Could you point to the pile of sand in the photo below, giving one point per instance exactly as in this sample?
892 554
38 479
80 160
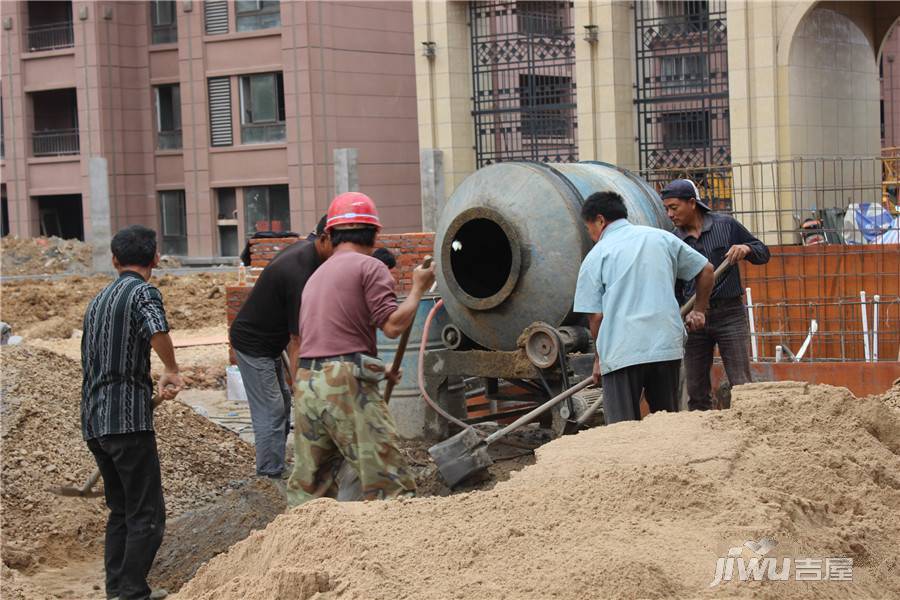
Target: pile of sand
25 256
42 448
632 510
54 308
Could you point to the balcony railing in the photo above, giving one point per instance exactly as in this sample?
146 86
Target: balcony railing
260 133
55 142
164 34
51 36
168 140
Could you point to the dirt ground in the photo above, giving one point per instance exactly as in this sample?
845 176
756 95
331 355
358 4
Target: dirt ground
43 449
641 509
26 256
53 309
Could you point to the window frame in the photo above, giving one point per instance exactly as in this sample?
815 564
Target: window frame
169 27
175 108
263 8
167 236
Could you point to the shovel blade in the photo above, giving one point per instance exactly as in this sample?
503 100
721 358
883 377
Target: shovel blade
460 456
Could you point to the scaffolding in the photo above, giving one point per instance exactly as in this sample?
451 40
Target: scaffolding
833 230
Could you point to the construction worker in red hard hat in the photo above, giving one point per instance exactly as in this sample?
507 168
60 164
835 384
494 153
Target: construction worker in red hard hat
338 411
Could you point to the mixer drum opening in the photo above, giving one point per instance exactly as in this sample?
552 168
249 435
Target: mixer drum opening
481 258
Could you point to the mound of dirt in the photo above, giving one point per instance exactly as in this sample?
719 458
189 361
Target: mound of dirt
639 509
44 255
192 301
42 449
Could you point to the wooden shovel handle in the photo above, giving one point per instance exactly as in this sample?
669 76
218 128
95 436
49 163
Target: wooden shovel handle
401 350
689 305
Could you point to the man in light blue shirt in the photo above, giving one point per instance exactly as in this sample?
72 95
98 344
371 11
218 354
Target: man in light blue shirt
627 286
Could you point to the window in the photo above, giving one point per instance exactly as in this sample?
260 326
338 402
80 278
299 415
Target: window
257 14
541 18
227 222
678 72
267 209
692 13
262 108
546 103
173 222
163 23
168 117
685 129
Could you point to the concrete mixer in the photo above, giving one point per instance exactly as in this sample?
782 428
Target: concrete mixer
509 245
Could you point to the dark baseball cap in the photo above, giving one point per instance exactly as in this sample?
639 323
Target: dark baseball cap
683 189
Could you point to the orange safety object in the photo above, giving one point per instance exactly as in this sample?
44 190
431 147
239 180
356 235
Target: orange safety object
352 210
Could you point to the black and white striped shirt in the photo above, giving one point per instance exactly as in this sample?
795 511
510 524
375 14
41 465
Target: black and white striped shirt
117 391
718 234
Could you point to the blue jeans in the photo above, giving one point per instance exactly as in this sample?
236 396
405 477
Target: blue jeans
270 409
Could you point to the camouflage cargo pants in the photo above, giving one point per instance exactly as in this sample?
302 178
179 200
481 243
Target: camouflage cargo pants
338 417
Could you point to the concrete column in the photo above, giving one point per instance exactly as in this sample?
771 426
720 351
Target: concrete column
444 86
101 228
604 71
346 172
431 175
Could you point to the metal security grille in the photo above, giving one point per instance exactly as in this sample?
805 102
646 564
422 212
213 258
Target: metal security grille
682 85
523 73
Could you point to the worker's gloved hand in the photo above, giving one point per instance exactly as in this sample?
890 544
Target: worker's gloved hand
422 277
695 320
393 377
169 385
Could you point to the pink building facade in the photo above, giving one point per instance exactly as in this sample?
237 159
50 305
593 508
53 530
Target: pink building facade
217 119
890 90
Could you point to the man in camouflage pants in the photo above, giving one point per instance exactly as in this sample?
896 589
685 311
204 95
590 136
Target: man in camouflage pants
339 413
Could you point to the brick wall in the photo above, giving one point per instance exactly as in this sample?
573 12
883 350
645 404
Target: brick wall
409 249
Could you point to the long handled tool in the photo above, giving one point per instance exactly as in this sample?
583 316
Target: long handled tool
466 453
401 350
85 491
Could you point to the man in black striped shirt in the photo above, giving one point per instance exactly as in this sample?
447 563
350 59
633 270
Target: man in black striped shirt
121 324
717 237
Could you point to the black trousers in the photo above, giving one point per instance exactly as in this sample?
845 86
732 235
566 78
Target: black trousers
728 328
129 464
622 390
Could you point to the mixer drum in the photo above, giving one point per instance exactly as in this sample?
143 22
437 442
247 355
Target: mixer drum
510 242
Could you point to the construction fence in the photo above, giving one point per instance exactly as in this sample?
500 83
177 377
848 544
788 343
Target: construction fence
833 228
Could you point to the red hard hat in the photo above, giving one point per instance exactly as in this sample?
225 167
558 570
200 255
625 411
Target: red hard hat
352 210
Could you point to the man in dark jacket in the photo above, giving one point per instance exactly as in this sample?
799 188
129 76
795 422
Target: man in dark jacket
717 237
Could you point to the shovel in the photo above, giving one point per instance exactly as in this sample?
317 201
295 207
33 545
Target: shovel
466 453
85 491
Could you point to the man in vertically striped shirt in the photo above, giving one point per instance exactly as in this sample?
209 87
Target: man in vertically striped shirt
121 324
717 237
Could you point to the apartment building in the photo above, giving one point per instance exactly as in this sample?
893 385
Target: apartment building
217 119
